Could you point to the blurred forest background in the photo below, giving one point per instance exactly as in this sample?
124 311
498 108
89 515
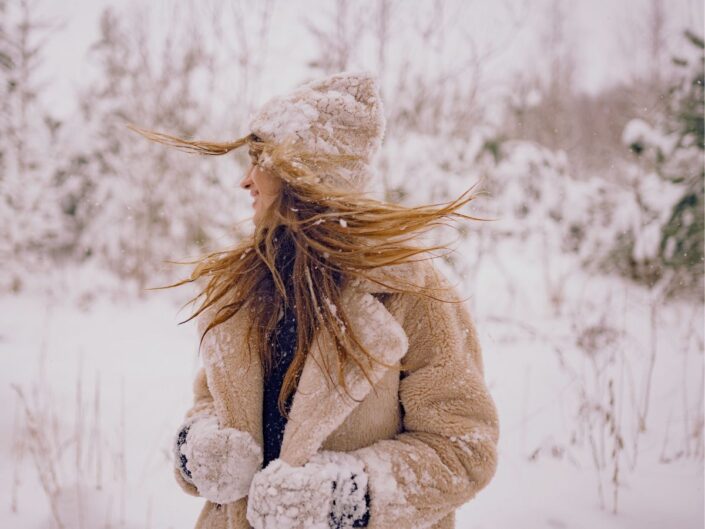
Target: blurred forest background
588 288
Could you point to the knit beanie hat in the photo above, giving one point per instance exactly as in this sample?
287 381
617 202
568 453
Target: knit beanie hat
338 114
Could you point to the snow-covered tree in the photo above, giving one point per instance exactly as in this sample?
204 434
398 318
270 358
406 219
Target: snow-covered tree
137 203
31 231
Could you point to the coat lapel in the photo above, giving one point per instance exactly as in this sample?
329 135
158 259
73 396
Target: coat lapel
319 405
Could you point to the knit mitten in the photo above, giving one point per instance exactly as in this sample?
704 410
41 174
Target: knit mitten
179 458
328 492
220 462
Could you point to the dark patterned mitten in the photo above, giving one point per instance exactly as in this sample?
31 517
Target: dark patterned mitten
219 462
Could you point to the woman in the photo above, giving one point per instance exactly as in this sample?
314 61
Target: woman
342 381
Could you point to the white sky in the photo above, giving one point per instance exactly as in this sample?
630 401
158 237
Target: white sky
606 33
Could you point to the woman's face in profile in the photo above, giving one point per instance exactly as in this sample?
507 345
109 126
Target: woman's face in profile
263 187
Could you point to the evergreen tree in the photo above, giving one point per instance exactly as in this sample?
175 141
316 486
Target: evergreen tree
682 240
673 149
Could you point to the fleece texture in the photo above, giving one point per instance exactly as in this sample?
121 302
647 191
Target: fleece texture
426 434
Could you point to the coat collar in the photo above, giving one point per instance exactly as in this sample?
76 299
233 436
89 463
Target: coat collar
319 405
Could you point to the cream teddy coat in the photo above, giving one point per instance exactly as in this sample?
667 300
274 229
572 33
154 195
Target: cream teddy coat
427 435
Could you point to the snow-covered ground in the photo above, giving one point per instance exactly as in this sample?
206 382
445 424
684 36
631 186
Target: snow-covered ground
115 375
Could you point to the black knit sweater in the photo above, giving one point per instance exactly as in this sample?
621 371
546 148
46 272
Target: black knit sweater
273 422
283 342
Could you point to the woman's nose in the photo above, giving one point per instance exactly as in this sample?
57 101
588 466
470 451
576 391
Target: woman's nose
246 181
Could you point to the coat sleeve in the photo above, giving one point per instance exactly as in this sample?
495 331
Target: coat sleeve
202 405
447 450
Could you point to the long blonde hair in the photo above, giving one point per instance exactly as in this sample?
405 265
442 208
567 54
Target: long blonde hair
335 235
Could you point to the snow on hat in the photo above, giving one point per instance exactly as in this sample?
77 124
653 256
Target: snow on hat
340 114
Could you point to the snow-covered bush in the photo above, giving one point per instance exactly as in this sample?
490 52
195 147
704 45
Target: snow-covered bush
608 225
137 203
671 150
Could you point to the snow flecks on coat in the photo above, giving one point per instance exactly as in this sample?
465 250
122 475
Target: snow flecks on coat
427 436
469 441
321 403
427 471
226 368
380 325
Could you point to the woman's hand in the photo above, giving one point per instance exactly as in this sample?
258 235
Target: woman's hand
328 492
220 462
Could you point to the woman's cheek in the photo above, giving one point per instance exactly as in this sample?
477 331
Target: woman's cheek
267 184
